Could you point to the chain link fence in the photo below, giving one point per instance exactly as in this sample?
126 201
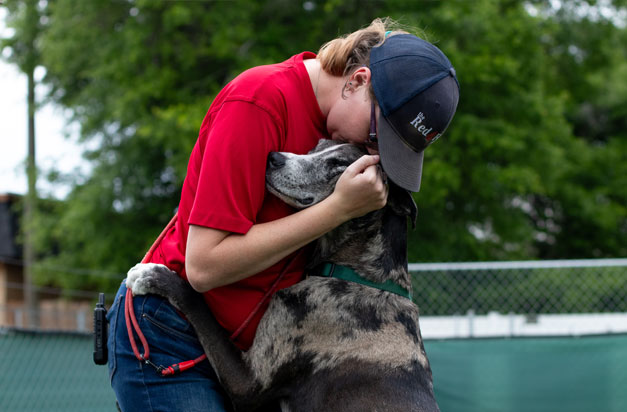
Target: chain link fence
530 298
561 286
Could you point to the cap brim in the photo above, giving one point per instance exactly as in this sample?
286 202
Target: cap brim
402 164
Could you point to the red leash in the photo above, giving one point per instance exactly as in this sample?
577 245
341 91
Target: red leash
132 324
267 295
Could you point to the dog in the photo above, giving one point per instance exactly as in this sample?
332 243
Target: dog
324 344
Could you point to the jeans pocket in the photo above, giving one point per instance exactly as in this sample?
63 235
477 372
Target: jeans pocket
166 319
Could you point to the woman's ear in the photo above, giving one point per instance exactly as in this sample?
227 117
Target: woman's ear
360 77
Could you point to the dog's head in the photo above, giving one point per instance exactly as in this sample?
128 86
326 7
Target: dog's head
304 180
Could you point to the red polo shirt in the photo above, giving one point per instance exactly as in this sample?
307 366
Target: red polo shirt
265 109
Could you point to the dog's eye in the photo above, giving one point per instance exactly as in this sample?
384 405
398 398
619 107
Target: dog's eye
336 163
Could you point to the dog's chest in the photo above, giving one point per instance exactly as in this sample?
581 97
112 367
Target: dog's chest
322 321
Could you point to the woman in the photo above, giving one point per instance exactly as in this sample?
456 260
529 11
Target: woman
236 243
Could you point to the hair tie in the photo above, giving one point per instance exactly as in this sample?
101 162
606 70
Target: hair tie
387 33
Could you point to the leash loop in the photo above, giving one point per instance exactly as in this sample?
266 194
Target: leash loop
133 325
131 322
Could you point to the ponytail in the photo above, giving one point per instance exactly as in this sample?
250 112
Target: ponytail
342 56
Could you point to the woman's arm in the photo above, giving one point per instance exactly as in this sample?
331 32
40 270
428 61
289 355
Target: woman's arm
216 258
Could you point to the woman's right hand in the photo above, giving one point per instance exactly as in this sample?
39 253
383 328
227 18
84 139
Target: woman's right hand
360 189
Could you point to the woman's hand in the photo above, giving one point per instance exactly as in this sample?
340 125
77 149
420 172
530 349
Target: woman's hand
360 189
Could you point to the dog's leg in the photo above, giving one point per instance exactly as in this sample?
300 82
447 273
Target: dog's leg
225 358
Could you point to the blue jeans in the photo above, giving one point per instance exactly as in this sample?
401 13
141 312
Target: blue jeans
138 386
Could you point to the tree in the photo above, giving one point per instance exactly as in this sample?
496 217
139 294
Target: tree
520 174
589 206
526 169
25 20
139 77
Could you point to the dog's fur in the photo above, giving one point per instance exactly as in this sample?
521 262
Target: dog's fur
324 344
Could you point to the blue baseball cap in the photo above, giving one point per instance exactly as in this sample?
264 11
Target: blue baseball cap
417 90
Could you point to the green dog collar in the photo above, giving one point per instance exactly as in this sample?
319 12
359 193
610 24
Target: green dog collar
332 270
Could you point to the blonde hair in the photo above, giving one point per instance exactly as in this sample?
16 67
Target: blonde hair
342 56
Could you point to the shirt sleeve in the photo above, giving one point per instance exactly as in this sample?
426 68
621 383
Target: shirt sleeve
231 182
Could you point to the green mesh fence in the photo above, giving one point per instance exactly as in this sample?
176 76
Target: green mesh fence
586 374
51 372
54 372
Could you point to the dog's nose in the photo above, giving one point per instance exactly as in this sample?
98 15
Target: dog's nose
276 160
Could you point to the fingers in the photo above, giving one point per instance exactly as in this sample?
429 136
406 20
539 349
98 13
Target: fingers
361 164
373 177
366 169
361 188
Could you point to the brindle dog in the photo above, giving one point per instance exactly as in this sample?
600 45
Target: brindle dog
324 344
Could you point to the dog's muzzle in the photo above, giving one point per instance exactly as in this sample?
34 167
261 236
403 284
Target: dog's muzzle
276 160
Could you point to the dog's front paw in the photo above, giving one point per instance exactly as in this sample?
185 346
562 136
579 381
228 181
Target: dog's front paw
141 279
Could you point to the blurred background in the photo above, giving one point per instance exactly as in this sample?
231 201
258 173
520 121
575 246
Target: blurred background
519 252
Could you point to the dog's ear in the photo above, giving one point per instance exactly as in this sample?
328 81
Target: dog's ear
323 144
402 203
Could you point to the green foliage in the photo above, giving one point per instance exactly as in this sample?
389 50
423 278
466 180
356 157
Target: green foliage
533 159
532 166
25 18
